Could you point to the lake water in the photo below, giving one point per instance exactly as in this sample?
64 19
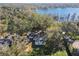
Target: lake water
64 14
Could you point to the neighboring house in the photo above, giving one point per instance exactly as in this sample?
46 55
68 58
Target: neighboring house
74 44
37 38
5 41
68 39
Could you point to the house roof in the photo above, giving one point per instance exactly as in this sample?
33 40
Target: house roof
76 44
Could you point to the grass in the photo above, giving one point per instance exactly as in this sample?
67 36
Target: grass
60 53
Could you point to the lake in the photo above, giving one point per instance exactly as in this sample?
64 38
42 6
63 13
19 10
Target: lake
63 14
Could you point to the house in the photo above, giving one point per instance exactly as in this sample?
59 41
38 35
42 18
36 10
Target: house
5 41
37 38
75 45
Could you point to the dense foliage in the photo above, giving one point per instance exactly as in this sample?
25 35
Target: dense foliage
18 22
